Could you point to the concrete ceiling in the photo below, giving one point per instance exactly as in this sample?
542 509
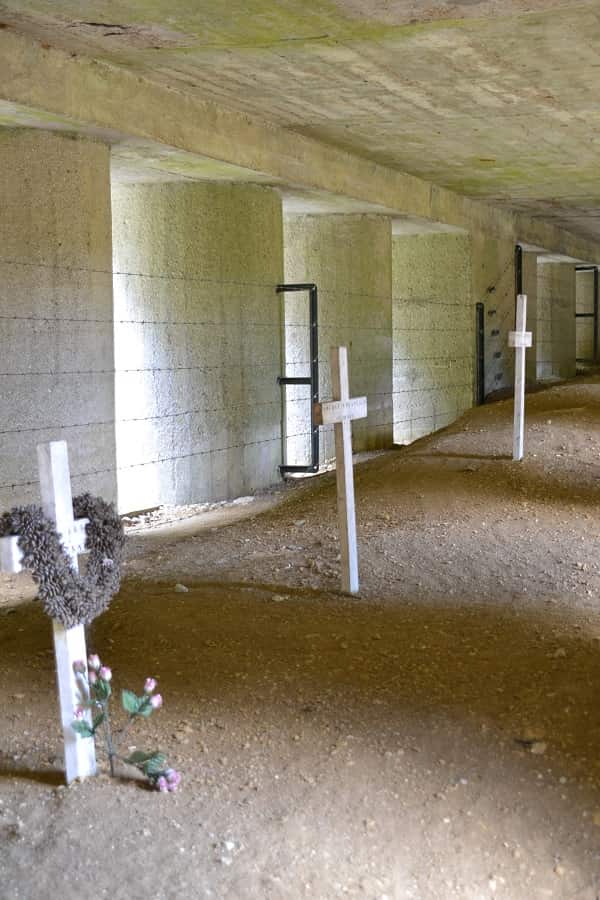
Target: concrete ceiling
498 99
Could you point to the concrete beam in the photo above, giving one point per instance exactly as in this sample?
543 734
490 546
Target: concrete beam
87 93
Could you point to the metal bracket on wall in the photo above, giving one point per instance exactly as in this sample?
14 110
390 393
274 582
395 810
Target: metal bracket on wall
480 333
312 380
518 271
591 315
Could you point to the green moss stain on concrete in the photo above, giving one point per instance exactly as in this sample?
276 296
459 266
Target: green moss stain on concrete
14 116
183 28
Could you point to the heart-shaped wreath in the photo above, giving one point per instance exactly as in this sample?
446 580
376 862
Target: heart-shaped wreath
71 598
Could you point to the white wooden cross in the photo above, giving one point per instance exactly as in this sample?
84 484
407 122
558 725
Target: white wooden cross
69 643
520 339
340 412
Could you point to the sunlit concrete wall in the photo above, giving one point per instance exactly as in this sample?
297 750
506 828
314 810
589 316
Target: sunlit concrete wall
56 333
349 258
433 330
556 339
198 340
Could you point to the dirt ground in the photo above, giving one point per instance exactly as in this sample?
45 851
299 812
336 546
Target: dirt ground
436 737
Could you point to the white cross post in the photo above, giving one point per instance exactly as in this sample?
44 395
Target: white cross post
340 412
69 643
520 339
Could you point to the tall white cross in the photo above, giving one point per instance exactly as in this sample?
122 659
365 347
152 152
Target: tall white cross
520 339
340 412
69 643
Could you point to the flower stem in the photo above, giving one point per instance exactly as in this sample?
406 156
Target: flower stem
109 741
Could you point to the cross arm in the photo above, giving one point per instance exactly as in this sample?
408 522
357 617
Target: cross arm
520 339
330 412
11 554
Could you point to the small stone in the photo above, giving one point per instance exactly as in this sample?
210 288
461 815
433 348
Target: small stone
181 589
559 870
538 748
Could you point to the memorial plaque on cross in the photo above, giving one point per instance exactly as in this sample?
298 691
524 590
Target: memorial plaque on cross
69 643
520 339
340 412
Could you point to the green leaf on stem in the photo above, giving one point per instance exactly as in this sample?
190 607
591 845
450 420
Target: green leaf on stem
146 709
102 689
155 764
138 757
98 720
131 703
82 728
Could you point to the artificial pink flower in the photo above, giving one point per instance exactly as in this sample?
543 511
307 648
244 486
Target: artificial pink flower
149 685
79 712
156 701
79 667
162 785
105 673
92 677
94 661
173 779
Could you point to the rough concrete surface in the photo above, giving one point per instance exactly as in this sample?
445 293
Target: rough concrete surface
197 341
494 100
493 284
79 93
56 333
433 332
556 336
435 738
349 258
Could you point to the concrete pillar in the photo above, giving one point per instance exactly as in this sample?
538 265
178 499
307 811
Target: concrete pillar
198 341
529 278
493 284
434 332
56 328
555 347
349 258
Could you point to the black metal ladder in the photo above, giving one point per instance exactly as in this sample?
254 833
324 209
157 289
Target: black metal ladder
312 379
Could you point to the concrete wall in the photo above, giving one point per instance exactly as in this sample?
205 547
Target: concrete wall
493 284
433 330
555 348
349 258
584 328
529 278
56 335
197 341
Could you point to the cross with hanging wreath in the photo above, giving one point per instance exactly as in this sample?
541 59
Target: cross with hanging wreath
47 541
